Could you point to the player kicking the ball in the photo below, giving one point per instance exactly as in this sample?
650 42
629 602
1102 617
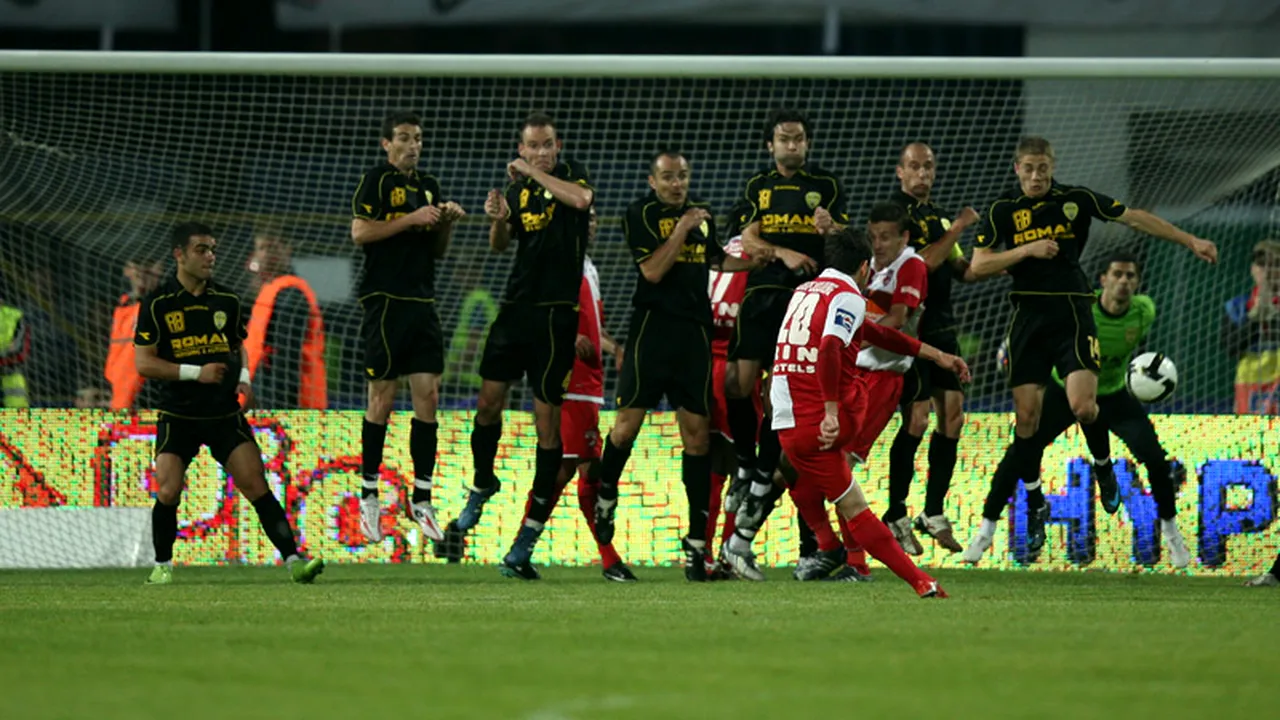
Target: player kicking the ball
819 397
190 336
1123 320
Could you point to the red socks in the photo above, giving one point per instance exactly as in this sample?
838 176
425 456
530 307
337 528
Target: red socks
813 511
713 508
870 533
587 492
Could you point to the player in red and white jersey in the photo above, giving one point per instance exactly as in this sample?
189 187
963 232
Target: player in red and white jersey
580 411
820 398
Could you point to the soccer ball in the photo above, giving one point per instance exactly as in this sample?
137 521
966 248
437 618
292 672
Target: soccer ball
1152 377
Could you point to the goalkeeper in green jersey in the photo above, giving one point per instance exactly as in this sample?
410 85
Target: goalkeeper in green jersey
1123 319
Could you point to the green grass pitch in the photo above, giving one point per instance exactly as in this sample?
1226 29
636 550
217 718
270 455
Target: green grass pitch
461 642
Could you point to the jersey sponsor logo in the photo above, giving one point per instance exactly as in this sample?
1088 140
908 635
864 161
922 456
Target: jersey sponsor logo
176 321
1055 232
692 253
909 290
787 223
534 222
845 320
190 345
219 319
1070 210
397 197
812 199
1021 220
765 197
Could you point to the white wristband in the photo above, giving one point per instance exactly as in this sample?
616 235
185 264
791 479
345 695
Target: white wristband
244 376
188 372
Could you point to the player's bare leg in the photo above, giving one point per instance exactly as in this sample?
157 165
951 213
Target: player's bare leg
873 535
373 437
424 388
484 448
170 477
244 465
617 449
695 433
542 494
948 406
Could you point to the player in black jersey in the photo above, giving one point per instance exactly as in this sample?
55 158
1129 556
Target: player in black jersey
789 207
402 222
1037 231
546 209
934 235
672 236
190 339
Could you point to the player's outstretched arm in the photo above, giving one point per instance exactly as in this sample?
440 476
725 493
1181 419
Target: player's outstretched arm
656 266
943 251
1152 224
987 262
365 231
757 247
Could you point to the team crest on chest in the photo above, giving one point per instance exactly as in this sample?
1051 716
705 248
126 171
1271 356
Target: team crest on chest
219 319
429 197
1070 210
1131 335
706 229
547 194
1021 220
397 197
946 224
812 199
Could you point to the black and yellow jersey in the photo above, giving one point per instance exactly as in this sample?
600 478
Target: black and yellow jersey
784 208
682 292
551 240
404 265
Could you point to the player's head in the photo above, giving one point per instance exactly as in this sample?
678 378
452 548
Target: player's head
272 253
402 139
887 227
669 175
1033 163
143 274
849 252
787 134
1121 275
539 141
192 245
1265 263
916 170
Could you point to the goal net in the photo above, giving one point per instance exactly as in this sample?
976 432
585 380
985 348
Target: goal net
102 154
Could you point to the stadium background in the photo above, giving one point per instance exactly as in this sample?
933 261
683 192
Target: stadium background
97 166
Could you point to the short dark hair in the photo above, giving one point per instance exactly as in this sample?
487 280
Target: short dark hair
848 249
1033 145
183 232
889 211
903 150
395 119
1120 256
787 115
537 118
665 152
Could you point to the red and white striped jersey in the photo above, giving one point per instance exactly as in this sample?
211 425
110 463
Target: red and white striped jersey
587 381
830 304
726 291
903 281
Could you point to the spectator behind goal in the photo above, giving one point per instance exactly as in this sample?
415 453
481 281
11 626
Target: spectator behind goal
15 346
1251 334
286 330
126 384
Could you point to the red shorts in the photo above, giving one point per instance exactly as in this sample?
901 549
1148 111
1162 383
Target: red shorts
824 470
878 394
719 407
580 430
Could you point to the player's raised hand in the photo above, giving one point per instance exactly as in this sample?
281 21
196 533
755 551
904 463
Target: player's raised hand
495 206
692 218
798 262
967 217
425 216
1043 249
211 373
1205 250
828 431
955 364
451 211
583 347
823 221
518 170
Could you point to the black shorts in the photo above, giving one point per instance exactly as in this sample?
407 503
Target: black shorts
925 378
666 356
759 319
1048 332
537 341
183 437
401 337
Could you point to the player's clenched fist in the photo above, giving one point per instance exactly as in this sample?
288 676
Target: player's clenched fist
426 216
1043 249
451 211
692 218
211 373
495 206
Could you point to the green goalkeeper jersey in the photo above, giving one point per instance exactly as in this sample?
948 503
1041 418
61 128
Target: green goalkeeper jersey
1118 337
